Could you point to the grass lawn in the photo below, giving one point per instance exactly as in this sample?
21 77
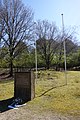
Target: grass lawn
6 89
51 93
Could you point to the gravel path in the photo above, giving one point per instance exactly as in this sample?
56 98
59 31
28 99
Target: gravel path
25 114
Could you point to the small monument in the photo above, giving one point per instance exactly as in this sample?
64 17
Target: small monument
24 85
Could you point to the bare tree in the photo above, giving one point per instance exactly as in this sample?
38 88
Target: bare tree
70 46
46 43
50 43
17 24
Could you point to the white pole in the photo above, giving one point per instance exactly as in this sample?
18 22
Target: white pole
36 58
35 53
64 49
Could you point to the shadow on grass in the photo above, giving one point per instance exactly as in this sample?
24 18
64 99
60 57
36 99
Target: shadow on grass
4 104
51 89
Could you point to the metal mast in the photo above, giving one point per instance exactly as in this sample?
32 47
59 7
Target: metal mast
64 48
36 58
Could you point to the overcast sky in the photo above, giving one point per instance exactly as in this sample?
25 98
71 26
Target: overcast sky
52 9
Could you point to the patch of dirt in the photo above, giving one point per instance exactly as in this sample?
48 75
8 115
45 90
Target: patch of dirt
6 76
26 114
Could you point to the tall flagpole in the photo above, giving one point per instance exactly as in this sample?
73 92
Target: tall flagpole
64 49
35 55
36 59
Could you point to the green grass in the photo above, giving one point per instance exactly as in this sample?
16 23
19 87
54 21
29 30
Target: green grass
51 93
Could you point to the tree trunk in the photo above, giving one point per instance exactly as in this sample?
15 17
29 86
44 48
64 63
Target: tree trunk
11 64
11 68
47 63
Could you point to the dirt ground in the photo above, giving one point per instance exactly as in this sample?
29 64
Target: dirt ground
26 114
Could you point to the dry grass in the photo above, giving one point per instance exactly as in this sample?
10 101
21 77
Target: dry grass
6 89
52 94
